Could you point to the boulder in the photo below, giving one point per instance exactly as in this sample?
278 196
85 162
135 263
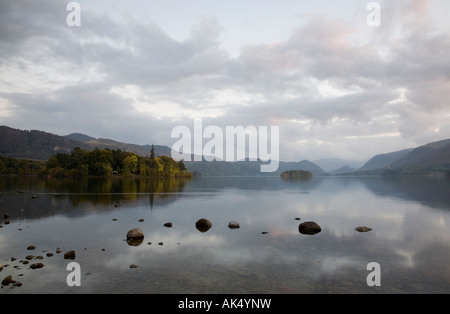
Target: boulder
135 233
135 237
168 225
69 255
309 227
36 265
233 225
7 280
203 225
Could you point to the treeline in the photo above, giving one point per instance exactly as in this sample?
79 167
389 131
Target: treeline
9 165
105 162
99 162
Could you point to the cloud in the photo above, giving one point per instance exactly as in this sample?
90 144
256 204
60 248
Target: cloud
125 77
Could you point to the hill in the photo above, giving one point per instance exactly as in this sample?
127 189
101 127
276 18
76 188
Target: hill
102 143
332 165
246 168
384 160
38 145
80 137
432 157
33 144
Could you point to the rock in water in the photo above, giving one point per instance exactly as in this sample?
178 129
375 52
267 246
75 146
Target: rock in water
69 255
363 229
233 225
135 233
203 225
7 280
135 237
36 265
309 227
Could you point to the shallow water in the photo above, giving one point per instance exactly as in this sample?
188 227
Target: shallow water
409 217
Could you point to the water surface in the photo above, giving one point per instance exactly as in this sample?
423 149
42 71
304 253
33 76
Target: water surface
409 217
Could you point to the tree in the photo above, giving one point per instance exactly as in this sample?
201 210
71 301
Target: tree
3 169
99 162
181 165
152 153
130 164
102 169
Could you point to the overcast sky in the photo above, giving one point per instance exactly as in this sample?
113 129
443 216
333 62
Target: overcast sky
133 70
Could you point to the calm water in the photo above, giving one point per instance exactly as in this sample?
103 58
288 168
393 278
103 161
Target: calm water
410 240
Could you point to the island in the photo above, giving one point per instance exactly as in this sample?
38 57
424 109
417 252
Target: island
296 175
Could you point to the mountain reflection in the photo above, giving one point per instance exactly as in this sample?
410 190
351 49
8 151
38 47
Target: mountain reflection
430 191
35 197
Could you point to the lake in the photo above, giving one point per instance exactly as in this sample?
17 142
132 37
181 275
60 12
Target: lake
409 218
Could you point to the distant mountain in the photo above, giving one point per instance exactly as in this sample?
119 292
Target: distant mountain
384 160
248 168
102 143
36 145
342 170
330 165
432 156
39 145
426 159
80 137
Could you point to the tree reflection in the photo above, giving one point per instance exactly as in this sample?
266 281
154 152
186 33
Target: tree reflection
110 192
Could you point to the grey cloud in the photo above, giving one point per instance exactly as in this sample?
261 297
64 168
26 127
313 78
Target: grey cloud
281 81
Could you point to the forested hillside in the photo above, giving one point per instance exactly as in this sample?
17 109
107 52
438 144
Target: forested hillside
99 162
104 162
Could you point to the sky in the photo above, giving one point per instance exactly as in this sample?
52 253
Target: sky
335 85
